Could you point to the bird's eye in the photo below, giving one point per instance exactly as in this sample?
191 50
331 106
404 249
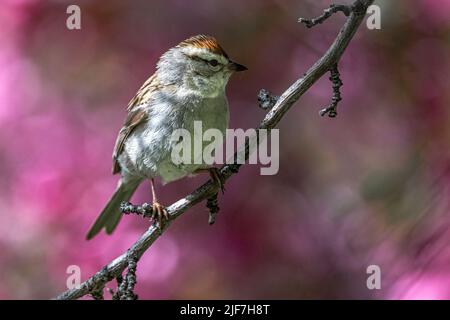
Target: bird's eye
213 63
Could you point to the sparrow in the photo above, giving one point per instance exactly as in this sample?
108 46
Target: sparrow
188 85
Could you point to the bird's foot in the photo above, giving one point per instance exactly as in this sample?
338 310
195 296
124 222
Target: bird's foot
159 214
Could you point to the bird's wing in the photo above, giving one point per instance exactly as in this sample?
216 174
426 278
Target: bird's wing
145 92
137 114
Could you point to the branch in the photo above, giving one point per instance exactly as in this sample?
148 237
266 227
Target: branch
114 269
326 14
335 79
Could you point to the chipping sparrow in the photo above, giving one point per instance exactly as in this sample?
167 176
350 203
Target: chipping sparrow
188 85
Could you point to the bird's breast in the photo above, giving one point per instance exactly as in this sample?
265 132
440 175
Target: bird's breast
150 146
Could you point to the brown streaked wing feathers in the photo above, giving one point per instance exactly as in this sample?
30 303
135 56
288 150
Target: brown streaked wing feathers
136 115
134 118
143 94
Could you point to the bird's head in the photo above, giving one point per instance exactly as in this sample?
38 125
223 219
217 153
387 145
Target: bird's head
198 63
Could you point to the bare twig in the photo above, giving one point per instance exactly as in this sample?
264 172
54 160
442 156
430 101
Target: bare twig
116 295
213 207
115 268
145 210
336 81
346 9
125 288
97 294
266 100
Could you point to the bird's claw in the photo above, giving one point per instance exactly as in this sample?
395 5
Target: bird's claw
160 214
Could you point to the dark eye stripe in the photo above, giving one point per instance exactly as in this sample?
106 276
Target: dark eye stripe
213 62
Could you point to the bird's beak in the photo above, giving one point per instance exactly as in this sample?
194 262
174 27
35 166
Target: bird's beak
234 66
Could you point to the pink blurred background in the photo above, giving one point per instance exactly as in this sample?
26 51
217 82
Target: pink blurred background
369 187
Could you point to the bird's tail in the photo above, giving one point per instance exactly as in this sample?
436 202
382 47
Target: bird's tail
111 214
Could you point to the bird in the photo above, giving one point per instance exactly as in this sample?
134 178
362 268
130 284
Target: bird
188 85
